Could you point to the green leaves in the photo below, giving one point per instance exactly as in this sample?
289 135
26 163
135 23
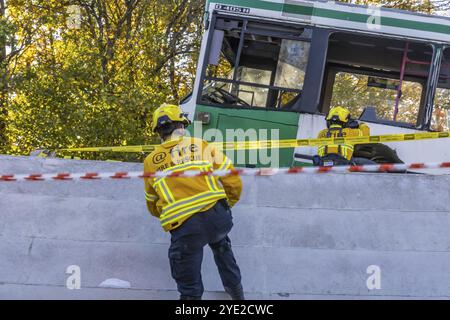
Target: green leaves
98 84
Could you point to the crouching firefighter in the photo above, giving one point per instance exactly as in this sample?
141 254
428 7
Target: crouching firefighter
340 124
195 210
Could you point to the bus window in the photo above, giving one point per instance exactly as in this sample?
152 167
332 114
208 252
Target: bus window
441 110
356 91
255 65
254 96
382 80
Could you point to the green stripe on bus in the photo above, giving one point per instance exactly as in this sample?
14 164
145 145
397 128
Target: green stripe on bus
338 15
385 21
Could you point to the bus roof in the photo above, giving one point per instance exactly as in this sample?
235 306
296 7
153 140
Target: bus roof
337 15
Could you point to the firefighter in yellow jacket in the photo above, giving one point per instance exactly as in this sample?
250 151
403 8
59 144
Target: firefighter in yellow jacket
195 210
340 124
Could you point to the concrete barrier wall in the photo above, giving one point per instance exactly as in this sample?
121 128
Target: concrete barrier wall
295 237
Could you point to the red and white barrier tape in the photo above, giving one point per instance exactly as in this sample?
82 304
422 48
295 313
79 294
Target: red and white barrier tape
240 172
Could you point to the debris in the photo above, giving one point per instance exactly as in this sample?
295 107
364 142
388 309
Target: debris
115 283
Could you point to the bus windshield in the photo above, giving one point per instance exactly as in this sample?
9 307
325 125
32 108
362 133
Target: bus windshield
255 65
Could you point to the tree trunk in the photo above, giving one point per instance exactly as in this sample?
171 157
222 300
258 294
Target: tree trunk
3 83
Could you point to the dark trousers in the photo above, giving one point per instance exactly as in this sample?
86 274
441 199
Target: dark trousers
186 250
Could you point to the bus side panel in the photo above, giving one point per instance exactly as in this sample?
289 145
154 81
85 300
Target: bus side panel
261 122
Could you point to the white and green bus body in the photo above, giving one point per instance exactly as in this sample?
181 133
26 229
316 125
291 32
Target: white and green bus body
281 64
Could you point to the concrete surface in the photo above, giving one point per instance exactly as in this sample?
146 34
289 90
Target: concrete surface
295 237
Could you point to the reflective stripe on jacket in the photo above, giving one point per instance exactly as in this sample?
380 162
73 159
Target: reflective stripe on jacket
345 150
174 199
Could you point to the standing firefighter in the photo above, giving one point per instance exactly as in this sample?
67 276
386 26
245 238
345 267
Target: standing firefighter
195 210
340 125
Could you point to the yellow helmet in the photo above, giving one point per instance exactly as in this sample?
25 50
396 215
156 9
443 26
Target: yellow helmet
168 113
340 114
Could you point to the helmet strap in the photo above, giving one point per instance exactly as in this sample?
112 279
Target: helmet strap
166 131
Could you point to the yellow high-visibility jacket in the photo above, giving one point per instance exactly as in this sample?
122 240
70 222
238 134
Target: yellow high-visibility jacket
174 199
345 150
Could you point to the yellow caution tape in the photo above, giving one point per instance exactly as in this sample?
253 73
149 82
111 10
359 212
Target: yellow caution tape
282 144
143 148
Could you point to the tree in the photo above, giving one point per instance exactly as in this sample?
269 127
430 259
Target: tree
97 84
425 6
441 5
16 35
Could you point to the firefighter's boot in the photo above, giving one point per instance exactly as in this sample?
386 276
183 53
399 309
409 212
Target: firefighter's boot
236 293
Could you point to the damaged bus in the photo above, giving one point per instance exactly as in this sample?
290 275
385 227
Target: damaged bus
282 64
